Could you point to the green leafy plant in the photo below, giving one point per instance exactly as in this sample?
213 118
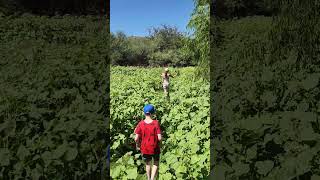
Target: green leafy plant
265 91
52 102
184 121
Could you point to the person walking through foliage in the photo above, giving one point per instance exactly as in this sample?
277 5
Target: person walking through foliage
148 137
165 81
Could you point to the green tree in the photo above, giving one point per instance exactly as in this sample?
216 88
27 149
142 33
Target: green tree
199 23
119 47
164 46
140 48
165 37
168 45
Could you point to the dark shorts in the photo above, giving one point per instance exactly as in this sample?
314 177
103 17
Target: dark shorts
147 157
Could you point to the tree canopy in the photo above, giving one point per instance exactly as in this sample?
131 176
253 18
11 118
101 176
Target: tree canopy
165 45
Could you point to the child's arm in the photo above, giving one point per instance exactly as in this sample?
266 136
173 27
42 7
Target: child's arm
160 140
136 138
159 137
158 131
137 133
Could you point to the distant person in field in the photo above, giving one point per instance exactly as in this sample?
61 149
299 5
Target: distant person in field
165 81
148 137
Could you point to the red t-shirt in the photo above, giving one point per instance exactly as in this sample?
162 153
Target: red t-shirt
148 133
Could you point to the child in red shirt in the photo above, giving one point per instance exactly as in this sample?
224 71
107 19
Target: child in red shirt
148 135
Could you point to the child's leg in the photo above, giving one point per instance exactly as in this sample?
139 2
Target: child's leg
155 166
148 168
165 91
154 169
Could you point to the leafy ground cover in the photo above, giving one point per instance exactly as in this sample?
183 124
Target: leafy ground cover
184 121
52 104
265 96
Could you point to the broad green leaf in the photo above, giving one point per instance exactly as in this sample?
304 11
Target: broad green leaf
165 176
263 167
115 172
311 81
195 159
71 154
240 168
22 152
307 133
131 161
36 173
138 162
59 152
252 152
132 173
181 169
251 124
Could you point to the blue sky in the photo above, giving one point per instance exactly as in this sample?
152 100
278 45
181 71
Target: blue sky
134 17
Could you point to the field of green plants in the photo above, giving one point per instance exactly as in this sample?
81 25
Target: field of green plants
184 120
266 91
52 97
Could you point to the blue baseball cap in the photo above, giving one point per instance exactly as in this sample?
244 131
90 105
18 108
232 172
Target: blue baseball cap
148 109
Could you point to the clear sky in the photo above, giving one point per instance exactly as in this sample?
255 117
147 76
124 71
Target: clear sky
134 17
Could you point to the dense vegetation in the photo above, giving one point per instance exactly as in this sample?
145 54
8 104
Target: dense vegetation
53 97
165 45
264 91
184 121
265 94
54 7
200 24
229 9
